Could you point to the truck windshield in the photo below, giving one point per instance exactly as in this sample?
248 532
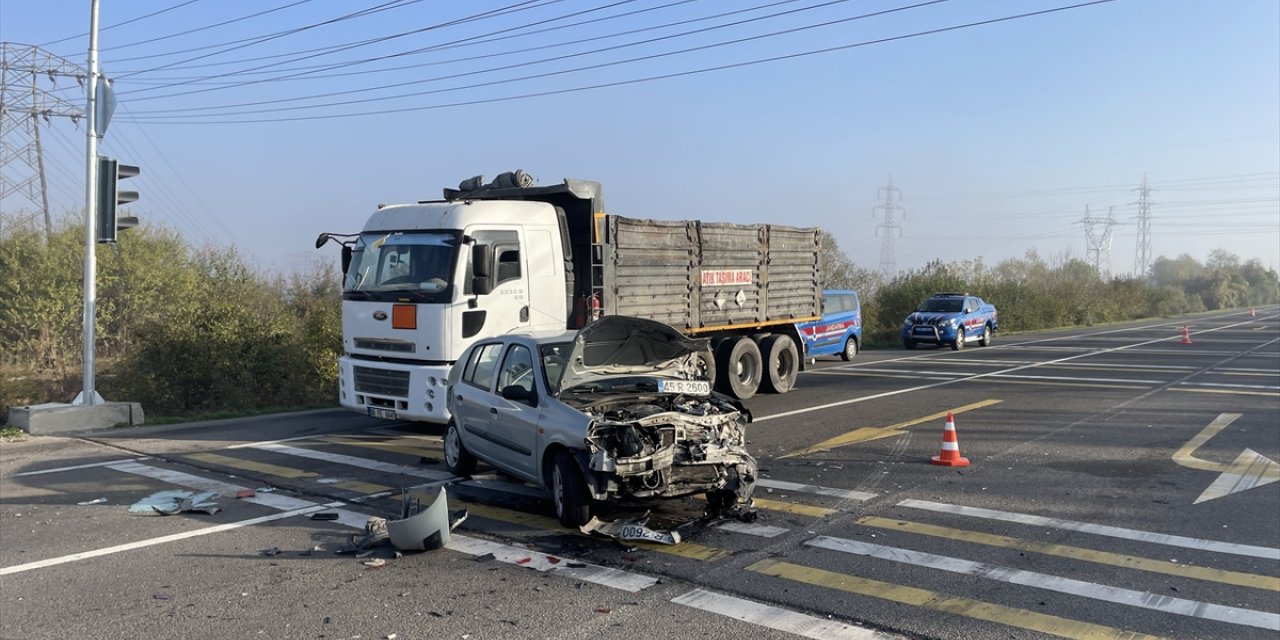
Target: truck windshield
401 261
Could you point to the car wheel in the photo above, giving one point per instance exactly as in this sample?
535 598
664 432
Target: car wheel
569 491
707 367
958 343
782 363
986 337
456 457
739 365
909 344
851 349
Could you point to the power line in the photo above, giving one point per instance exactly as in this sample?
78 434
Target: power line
129 21
666 76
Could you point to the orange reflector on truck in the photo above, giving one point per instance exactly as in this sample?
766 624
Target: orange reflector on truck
404 316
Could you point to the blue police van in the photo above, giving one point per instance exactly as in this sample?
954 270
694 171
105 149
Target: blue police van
839 332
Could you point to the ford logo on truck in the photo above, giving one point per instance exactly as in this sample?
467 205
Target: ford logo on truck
379 315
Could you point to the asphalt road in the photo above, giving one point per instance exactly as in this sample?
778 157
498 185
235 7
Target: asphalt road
1121 484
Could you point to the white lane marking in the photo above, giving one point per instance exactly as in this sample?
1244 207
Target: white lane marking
752 529
979 376
251 445
605 576
352 461
765 615
1106 593
79 466
1230 386
1079 379
40 564
1098 529
847 494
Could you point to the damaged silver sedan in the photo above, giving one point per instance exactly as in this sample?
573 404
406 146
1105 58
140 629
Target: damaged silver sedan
620 411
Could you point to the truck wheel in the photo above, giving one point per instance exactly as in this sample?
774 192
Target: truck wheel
985 341
569 492
739 367
909 343
850 349
456 457
958 343
782 363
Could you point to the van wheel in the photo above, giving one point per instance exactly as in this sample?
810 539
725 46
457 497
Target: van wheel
850 349
782 363
985 341
569 492
456 457
740 367
909 343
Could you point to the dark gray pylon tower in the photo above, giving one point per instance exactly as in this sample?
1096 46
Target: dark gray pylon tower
1142 258
890 226
1098 251
27 76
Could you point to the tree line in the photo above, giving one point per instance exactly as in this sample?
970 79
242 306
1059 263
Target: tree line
199 332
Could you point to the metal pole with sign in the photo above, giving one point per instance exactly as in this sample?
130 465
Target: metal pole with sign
89 395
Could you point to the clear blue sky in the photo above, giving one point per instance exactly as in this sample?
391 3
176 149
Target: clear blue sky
998 135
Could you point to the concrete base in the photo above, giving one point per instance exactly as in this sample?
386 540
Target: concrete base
57 418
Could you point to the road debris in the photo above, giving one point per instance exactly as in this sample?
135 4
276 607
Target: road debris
634 530
273 551
325 515
374 563
375 533
266 489
424 528
245 493
94 501
175 501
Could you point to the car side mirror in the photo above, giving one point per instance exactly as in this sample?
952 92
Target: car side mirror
520 394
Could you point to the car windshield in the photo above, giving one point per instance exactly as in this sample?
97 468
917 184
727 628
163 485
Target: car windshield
942 305
401 261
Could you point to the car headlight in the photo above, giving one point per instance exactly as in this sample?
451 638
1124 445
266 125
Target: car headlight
954 322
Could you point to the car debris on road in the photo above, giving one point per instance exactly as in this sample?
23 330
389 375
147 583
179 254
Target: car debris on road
634 530
175 501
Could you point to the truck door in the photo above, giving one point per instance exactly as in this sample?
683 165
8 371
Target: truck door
504 307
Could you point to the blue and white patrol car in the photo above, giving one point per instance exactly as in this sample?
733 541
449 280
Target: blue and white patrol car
840 329
951 319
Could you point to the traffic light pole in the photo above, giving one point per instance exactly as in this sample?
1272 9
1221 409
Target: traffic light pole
89 395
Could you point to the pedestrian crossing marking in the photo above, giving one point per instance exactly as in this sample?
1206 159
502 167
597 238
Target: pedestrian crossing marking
392 446
933 600
251 465
1077 553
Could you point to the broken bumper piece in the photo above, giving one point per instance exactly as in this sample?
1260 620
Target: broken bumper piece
424 528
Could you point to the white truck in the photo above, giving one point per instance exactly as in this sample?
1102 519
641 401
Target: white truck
423 281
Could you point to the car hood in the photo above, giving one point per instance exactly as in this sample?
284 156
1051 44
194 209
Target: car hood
932 317
624 345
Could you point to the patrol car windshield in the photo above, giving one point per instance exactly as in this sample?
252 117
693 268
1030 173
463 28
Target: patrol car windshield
942 305
401 263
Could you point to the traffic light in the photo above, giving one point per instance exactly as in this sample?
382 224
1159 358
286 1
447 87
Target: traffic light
110 173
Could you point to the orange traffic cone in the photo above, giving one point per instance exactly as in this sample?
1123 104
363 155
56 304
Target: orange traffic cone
1186 336
950 456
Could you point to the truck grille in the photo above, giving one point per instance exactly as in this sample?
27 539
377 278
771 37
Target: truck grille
382 382
384 345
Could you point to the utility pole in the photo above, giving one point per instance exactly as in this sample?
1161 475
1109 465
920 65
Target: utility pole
89 395
1098 249
23 104
888 261
1142 259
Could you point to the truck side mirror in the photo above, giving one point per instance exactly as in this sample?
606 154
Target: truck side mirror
481 257
346 258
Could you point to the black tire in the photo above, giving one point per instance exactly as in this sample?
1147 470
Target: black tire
456 456
850 349
909 343
569 492
707 367
985 341
782 363
739 367
958 343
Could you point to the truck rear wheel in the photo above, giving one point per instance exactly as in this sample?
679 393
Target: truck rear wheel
739 364
782 363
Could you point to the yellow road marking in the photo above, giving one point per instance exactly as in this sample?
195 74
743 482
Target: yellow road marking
1020 618
360 487
791 507
387 446
684 549
1076 553
871 433
251 465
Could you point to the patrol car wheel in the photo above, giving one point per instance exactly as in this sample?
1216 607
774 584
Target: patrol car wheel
909 343
985 341
958 343
850 349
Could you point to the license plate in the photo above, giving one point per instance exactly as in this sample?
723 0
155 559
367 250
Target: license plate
688 387
385 414
923 331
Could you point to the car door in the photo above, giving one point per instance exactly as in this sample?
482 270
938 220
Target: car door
474 397
513 426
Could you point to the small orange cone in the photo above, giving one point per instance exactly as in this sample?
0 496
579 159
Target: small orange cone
1186 335
950 456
